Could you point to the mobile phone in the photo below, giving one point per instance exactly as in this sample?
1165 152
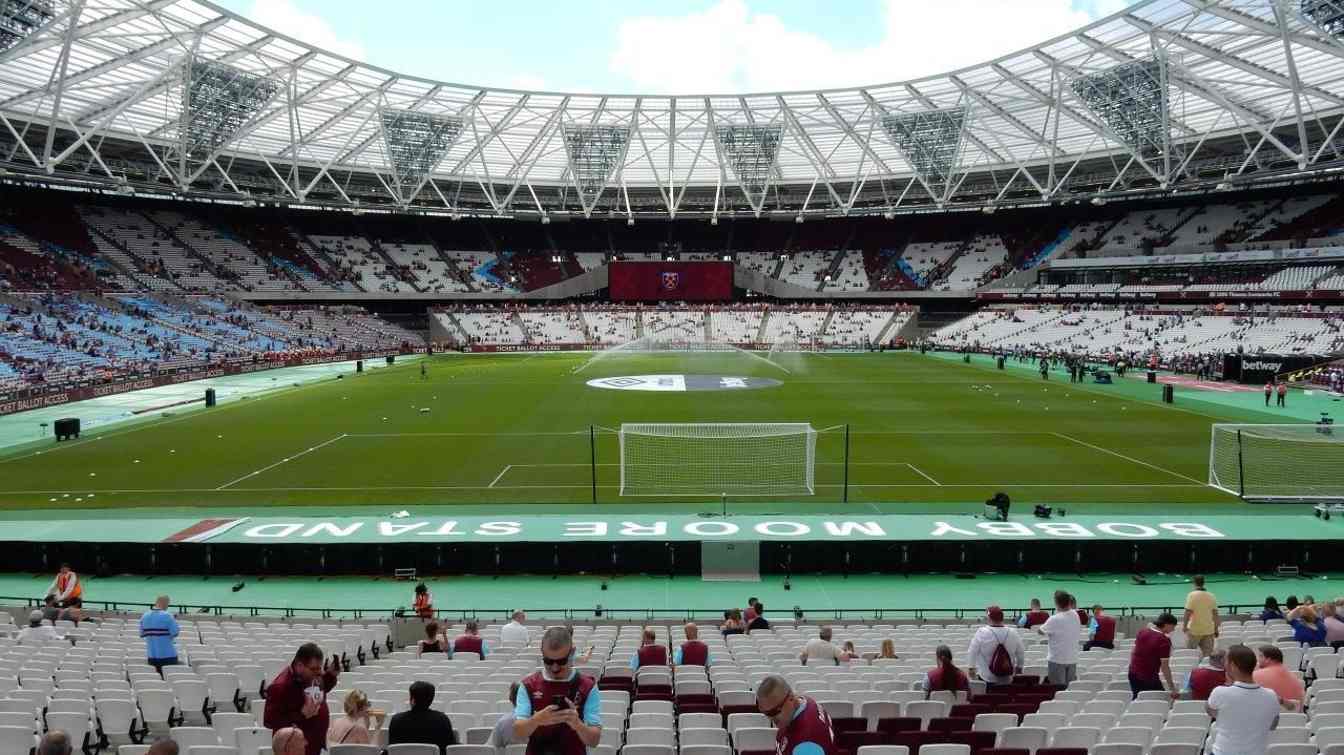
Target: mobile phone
560 702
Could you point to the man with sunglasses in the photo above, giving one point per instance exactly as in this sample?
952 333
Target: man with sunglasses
558 711
802 726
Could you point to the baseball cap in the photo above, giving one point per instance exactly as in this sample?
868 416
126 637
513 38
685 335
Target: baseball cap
994 613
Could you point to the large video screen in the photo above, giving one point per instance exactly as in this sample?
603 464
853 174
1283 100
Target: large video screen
671 281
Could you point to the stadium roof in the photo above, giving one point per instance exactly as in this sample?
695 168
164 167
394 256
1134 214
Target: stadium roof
181 95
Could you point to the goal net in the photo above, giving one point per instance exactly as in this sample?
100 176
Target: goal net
733 458
1278 462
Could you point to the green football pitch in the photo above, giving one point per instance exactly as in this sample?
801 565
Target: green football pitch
925 434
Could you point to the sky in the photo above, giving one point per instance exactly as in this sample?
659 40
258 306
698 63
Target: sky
682 47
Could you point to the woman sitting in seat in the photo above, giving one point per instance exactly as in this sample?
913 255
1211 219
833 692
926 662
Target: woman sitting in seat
945 677
355 727
434 642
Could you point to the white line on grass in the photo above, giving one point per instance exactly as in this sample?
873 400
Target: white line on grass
501 474
921 474
278 463
586 486
1128 458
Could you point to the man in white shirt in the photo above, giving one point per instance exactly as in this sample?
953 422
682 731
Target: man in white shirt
821 650
1245 711
37 633
514 634
1063 630
989 637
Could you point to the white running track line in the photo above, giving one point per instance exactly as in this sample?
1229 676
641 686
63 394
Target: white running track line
921 474
501 474
1129 458
282 461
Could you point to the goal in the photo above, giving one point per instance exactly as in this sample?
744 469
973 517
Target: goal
1278 462
733 458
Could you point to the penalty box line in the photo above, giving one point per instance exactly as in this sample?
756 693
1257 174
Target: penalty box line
912 467
1140 462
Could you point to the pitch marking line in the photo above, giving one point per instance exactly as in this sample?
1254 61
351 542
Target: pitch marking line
282 461
921 474
1128 458
978 485
500 476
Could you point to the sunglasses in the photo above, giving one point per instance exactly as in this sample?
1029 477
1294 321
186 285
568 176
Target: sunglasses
775 711
561 661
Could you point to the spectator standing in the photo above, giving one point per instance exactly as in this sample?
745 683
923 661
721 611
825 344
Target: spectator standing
66 588
158 628
945 676
1063 633
423 605
759 621
37 633
298 697
421 724
1271 674
1308 628
514 634
1201 618
821 649
1102 630
987 639
1149 662
1034 617
650 653
470 641
1209 675
1245 711
558 711
802 727
356 727
692 652
1271 610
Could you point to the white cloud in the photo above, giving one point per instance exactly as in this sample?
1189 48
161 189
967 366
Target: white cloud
287 18
728 48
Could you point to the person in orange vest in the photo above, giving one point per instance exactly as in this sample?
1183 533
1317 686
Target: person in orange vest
1269 391
1283 394
66 588
424 602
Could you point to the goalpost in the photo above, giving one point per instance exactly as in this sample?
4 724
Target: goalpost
1278 462
710 459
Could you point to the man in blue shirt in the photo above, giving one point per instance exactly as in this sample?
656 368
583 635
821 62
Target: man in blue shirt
159 629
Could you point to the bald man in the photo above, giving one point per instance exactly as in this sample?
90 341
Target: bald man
289 741
692 652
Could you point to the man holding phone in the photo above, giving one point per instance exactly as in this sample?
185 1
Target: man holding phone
558 710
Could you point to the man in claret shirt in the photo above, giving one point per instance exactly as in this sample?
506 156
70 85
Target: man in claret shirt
692 652
1035 617
558 711
650 653
802 726
1102 628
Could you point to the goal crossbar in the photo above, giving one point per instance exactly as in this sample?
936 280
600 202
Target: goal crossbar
1278 462
717 458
